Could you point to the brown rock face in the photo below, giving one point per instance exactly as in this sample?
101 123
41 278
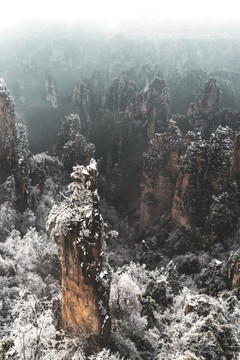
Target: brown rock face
233 275
23 168
194 182
208 101
15 165
236 160
81 105
159 176
121 93
202 182
206 105
200 304
203 189
7 132
129 120
72 148
77 224
97 94
158 107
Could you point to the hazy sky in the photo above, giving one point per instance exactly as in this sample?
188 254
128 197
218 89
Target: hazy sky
111 12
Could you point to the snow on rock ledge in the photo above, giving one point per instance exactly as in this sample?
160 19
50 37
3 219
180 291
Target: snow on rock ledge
77 225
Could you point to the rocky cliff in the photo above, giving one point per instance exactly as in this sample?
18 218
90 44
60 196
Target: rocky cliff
16 164
22 176
205 106
7 131
97 96
158 107
233 275
121 93
72 147
130 118
81 105
208 101
50 90
195 181
78 226
204 190
236 159
160 169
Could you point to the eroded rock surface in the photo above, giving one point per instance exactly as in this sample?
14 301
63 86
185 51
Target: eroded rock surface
195 181
50 90
72 148
78 226
121 93
81 105
233 275
7 131
160 168
206 105
203 177
16 163
158 107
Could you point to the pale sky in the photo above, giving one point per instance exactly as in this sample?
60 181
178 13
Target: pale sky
110 12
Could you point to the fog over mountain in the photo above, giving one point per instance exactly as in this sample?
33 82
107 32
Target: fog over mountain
125 15
120 180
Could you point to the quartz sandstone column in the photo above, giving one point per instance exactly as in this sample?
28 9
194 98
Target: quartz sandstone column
160 169
7 132
77 226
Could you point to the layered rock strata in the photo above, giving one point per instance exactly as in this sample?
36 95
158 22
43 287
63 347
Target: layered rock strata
192 181
16 162
202 113
233 275
207 104
7 131
81 105
160 169
128 122
121 93
77 225
203 189
97 96
22 175
158 107
204 174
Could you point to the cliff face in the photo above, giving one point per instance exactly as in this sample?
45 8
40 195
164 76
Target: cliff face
203 178
197 182
206 105
236 160
77 225
201 192
233 276
81 105
158 107
22 176
121 93
50 90
7 131
159 175
208 101
130 119
72 148
97 96
15 158
23 168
